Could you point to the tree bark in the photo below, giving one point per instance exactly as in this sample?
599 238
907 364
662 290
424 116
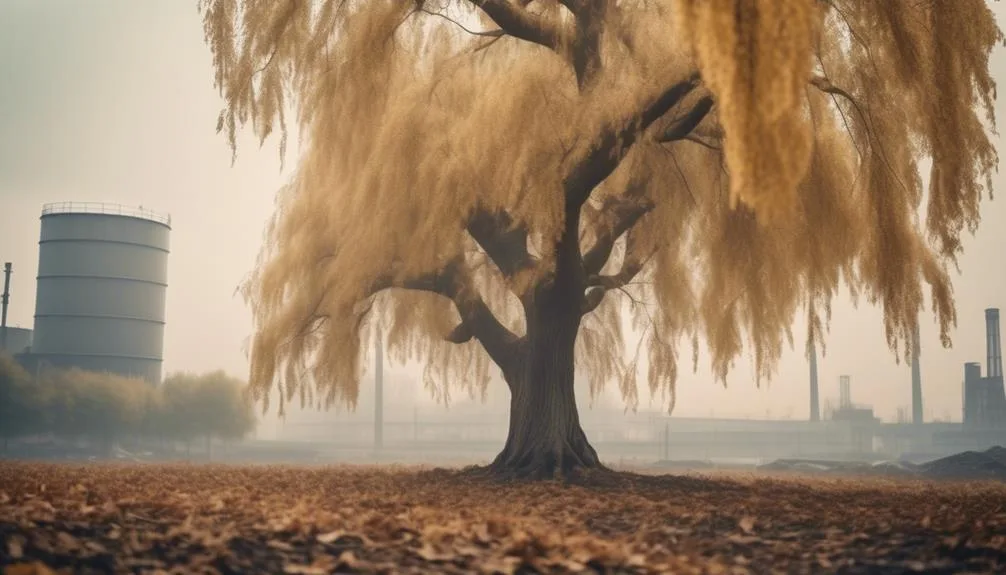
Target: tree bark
545 439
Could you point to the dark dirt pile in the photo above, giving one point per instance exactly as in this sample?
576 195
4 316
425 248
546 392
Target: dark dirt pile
219 519
989 464
968 465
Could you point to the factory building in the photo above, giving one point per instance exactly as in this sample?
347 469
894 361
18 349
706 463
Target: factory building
102 280
13 340
984 397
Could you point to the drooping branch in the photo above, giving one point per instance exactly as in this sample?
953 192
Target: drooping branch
634 261
682 127
590 17
477 320
824 84
633 264
518 22
490 33
504 241
444 282
619 215
577 7
607 149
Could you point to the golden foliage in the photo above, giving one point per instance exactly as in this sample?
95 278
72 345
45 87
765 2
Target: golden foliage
280 519
825 113
746 50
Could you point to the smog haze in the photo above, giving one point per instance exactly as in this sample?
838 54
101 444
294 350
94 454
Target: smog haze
113 101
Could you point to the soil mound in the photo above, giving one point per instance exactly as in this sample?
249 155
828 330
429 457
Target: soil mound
969 465
988 464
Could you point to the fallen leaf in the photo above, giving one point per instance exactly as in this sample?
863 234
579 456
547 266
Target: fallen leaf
15 546
66 540
35 568
330 536
280 545
377 520
746 524
294 569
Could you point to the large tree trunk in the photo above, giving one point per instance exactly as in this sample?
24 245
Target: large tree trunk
545 439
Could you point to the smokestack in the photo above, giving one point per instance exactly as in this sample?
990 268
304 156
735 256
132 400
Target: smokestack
844 392
972 393
378 393
993 344
916 378
3 305
815 407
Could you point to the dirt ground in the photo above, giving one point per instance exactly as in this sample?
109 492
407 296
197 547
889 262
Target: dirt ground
222 519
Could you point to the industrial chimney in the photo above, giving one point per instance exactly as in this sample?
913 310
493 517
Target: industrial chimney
844 392
815 408
993 344
3 305
916 379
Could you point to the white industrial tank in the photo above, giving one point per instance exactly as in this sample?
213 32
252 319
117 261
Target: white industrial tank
102 278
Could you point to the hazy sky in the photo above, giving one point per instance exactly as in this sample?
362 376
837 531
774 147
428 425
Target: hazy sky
113 100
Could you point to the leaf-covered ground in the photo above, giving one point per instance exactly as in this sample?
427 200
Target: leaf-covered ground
222 519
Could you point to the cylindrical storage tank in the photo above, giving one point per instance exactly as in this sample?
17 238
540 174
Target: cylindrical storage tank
102 278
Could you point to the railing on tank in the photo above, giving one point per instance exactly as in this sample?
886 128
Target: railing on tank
104 208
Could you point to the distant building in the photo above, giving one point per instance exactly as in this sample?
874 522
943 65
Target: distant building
16 341
984 397
102 279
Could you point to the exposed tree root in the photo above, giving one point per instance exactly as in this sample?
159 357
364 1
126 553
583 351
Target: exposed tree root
544 460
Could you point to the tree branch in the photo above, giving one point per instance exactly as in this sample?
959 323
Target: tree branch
599 285
574 6
682 127
445 282
698 140
585 53
824 84
490 33
619 216
477 320
607 149
504 241
516 21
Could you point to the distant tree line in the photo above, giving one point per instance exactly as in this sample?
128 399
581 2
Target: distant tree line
106 409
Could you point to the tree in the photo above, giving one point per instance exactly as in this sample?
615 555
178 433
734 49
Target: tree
176 418
208 405
99 406
20 401
494 179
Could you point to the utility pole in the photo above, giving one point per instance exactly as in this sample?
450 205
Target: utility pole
815 407
7 267
378 393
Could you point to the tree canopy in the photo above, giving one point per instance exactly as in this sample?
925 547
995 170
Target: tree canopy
104 407
725 166
212 404
20 402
